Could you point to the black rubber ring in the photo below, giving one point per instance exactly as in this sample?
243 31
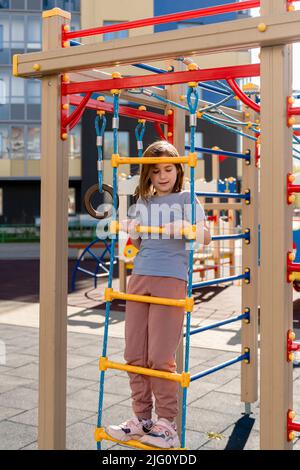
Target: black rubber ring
88 198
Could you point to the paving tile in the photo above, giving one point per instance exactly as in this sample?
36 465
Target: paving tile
9 382
202 420
88 400
14 360
116 384
80 436
75 360
221 402
23 398
6 412
14 436
88 371
31 416
29 371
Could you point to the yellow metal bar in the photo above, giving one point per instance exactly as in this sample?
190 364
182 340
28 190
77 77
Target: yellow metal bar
187 303
100 435
56 12
294 276
15 65
183 379
116 160
189 232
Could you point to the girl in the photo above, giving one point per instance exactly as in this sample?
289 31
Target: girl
153 332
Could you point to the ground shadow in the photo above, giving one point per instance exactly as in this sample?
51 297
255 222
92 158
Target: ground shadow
240 434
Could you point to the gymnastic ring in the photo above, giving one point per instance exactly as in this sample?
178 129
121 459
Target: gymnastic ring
296 285
88 198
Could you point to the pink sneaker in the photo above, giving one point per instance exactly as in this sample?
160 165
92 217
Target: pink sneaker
162 434
133 428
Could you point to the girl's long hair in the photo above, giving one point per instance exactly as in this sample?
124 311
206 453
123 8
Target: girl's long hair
161 148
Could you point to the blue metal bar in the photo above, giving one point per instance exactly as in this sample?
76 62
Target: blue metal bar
243 357
150 68
223 195
221 280
209 87
221 323
230 129
230 237
224 153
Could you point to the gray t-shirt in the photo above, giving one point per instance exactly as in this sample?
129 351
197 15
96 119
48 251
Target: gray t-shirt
159 254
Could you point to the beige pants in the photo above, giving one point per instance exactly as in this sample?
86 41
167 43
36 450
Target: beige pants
152 335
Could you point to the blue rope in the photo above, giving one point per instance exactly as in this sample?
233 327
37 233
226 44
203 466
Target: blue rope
100 135
139 134
111 264
191 93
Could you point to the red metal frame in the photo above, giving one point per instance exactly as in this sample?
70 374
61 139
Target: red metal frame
159 131
291 188
242 96
76 114
291 267
291 425
173 17
123 110
83 103
169 78
291 345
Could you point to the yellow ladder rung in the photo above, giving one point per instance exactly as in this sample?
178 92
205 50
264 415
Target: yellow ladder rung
183 379
189 232
116 160
187 303
100 435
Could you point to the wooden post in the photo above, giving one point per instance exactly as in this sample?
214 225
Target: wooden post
249 372
276 240
54 252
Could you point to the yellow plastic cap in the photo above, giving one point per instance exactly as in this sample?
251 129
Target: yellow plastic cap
292 178
192 66
292 199
142 108
64 136
291 121
291 414
262 27
292 335
116 75
291 435
101 98
291 256
36 67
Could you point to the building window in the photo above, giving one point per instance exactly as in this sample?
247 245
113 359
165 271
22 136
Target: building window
17 32
1 201
188 24
33 91
34 32
17 90
72 201
18 4
109 144
17 143
198 142
75 142
4 142
4 3
34 5
33 143
116 34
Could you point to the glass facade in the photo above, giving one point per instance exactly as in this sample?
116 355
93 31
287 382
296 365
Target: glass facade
20 109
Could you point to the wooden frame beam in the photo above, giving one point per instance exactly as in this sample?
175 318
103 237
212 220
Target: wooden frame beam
206 39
